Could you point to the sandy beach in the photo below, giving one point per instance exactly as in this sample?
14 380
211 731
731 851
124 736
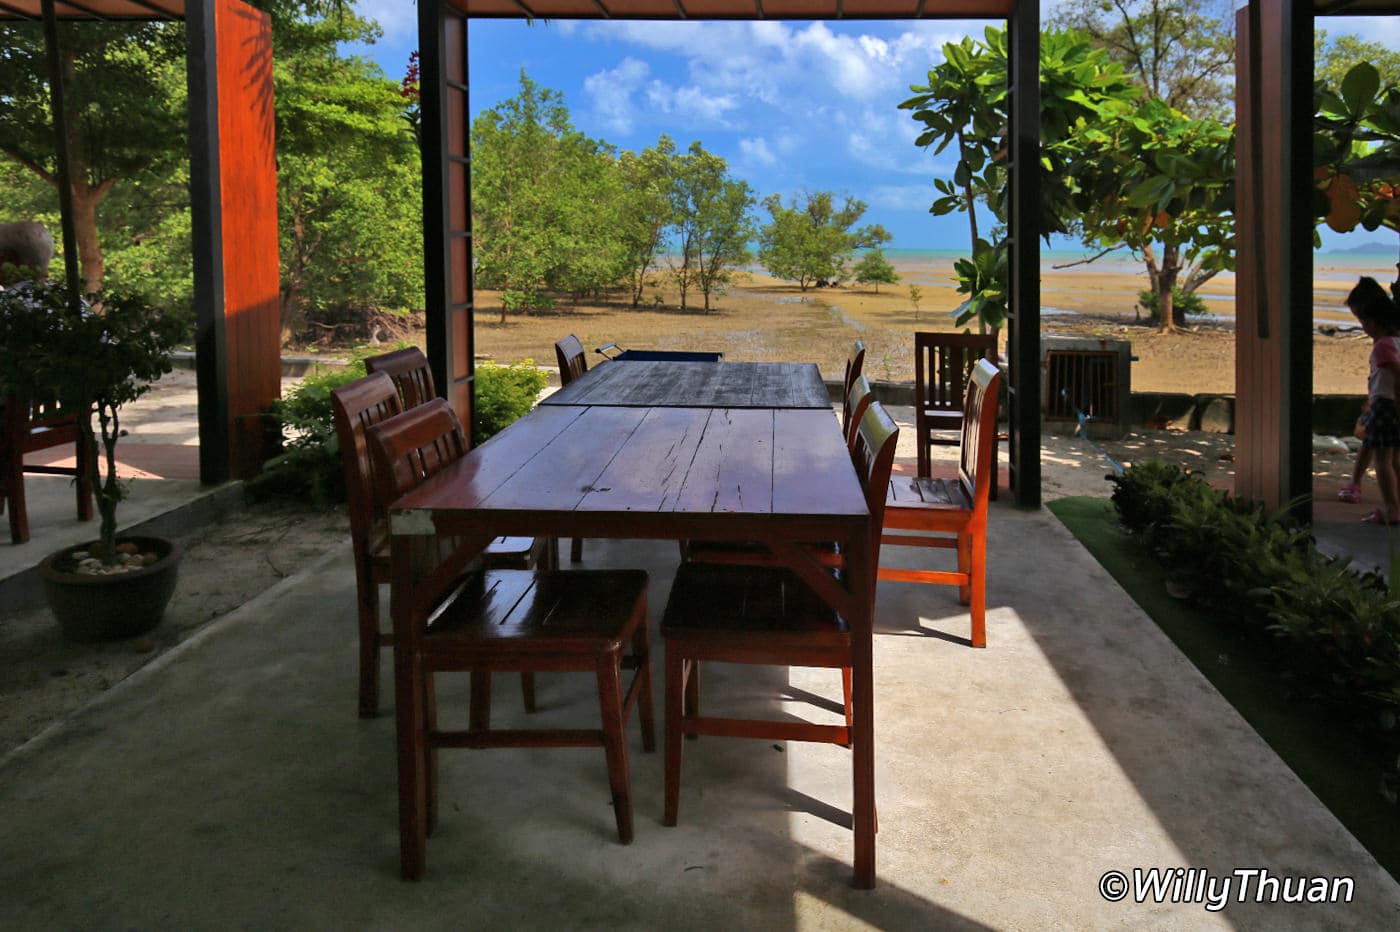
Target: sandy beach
760 318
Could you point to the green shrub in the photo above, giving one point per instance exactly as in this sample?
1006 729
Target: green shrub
504 394
1336 631
1185 305
309 466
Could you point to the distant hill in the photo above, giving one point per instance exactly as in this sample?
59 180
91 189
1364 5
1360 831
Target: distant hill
1365 249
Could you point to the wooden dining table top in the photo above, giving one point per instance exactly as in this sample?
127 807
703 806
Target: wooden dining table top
697 384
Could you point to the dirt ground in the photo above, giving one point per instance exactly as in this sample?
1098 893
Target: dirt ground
761 319
44 678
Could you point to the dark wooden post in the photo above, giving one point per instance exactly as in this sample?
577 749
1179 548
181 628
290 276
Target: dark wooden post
1273 280
1023 241
442 44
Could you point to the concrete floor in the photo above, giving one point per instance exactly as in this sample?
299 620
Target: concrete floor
230 785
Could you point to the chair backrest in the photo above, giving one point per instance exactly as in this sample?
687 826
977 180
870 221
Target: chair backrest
979 433
355 407
858 398
872 454
854 364
414 446
942 364
572 362
410 372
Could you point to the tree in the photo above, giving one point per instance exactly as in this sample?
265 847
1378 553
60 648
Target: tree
874 269
710 211
811 240
1181 52
647 209
544 202
125 89
1357 151
348 190
1334 57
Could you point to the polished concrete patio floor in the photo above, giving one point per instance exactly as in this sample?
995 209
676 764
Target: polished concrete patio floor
229 784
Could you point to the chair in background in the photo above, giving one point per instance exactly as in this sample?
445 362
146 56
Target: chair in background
572 364
858 398
855 363
943 363
410 372
762 615
952 513
414 380
27 427
502 620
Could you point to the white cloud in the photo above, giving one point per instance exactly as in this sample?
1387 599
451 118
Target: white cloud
691 102
756 152
611 93
399 20
912 197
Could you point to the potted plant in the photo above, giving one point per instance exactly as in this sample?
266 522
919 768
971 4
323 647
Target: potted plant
93 357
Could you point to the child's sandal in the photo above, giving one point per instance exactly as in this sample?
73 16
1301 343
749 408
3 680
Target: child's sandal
1351 494
1380 517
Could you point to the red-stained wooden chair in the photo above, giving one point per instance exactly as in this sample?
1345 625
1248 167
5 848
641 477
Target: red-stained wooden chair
943 364
501 620
355 407
855 363
568 352
762 615
410 372
952 513
27 427
413 378
858 398
572 364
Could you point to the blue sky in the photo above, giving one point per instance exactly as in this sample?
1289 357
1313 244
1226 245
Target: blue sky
791 106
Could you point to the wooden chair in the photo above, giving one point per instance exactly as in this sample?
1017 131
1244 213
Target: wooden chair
858 398
27 427
762 615
943 363
502 620
410 372
572 364
413 378
854 364
952 513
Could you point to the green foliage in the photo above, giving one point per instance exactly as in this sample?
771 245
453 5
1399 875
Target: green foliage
503 395
647 210
309 468
710 211
812 239
54 345
983 279
1356 151
1191 305
1334 57
874 269
1336 630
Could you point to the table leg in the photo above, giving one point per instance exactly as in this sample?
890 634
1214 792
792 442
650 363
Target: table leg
860 570
409 700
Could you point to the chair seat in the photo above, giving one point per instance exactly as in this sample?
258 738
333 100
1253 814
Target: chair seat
584 612
739 603
939 419
923 492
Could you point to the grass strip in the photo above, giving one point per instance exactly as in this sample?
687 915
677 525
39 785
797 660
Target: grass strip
1322 750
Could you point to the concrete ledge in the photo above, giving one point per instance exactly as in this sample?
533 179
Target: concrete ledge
292 366
24 590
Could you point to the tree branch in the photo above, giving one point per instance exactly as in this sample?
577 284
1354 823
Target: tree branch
1070 265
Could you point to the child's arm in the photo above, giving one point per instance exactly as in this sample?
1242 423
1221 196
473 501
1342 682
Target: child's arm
1387 356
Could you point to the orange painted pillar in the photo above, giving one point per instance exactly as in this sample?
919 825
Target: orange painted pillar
234 215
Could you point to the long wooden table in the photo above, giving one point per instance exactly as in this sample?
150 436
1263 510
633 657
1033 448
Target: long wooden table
777 475
697 385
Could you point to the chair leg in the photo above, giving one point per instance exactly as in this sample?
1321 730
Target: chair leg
576 550
480 716
965 566
692 691
676 688
846 692
646 712
527 690
14 491
409 694
430 757
615 743
978 578
367 592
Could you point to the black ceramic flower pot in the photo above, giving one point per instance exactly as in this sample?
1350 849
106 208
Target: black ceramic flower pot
96 608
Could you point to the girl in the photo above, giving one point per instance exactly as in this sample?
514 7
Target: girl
1381 322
